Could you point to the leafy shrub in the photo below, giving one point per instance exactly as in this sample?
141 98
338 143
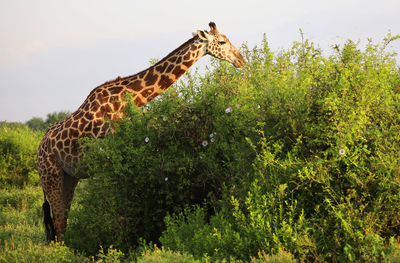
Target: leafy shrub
325 174
269 223
296 152
18 148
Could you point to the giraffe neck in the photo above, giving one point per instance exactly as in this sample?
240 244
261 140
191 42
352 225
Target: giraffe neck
148 84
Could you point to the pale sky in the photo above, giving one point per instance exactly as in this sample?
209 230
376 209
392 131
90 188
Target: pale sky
53 52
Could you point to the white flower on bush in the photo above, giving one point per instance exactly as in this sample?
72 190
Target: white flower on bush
164 118
212 140
204 143
258 107
212 134
146 140
342 152
166 178
228 110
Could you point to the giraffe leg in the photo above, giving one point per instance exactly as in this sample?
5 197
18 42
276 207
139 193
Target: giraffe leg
69 185
53 189
59 188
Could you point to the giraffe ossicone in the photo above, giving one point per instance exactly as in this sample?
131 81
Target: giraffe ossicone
59 152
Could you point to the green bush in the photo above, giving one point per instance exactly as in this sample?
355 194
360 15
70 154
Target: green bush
325 178
18 149
295 152
234 234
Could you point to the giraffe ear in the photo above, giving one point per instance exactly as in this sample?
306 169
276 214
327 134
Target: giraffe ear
213 26
203 35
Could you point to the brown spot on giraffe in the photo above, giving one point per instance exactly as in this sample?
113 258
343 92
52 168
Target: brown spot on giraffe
178 71
82 124
187 56
115 90
170 68
88 128
188 64
89 115
161 68
105 93
135 85
147 92
172 60
64 134
75 124
142 74
94 106
59 151
151 77
117 105
165 82
68 124
78 115
185 50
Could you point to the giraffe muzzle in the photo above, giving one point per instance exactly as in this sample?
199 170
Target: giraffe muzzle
239 60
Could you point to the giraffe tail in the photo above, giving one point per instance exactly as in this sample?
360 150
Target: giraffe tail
48 222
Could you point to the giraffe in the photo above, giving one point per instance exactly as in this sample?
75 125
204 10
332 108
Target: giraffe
59 152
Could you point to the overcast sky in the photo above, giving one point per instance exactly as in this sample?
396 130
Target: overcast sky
53 53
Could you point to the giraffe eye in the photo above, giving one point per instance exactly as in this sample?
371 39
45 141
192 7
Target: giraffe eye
221 42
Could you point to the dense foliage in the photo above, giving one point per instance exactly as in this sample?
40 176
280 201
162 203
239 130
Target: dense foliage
297 151
18 148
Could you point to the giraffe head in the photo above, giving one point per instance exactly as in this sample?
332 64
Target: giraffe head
219 46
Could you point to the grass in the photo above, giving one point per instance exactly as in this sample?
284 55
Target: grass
22 236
